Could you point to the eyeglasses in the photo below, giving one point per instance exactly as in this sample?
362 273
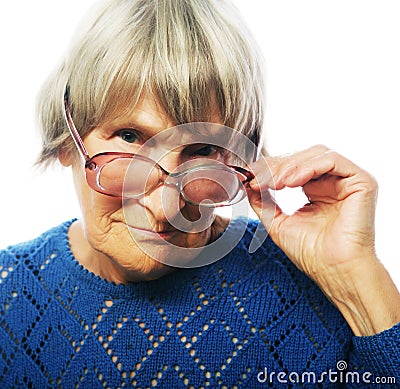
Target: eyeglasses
205 182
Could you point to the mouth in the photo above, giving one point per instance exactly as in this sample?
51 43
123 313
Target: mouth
153 234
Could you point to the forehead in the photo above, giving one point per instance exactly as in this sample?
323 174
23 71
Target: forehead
150 116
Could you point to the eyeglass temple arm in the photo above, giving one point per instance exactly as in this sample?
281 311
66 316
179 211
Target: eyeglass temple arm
249 175
72 129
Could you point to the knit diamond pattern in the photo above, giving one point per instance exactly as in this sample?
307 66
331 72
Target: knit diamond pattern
216 326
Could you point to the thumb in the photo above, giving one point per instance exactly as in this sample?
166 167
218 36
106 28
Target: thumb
266 209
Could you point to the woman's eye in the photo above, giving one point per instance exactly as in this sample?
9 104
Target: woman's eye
128 136
206 151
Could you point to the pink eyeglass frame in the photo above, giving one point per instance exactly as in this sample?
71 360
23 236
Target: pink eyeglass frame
94 164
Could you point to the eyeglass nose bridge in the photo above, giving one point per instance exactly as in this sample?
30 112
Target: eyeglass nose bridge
168 179
174 180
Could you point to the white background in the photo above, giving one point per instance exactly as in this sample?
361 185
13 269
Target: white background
333 77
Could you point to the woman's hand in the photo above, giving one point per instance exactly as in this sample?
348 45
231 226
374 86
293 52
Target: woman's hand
331 239
336 228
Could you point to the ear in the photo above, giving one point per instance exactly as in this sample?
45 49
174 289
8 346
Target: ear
65 157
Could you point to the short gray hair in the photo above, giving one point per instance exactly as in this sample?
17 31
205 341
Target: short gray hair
182 51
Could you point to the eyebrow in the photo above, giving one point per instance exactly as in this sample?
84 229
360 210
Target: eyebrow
110 127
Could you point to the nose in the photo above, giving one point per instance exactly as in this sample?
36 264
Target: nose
164 203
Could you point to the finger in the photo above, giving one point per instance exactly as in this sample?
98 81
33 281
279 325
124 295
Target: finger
326 189
267 210
331 188
263 176
263 203
329 162
267 169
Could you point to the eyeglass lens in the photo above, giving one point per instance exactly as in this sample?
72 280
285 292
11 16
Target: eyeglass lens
216 183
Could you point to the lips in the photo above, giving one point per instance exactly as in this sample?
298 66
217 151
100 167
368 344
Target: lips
154 234
153 231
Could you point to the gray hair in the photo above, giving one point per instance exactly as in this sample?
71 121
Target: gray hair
182 51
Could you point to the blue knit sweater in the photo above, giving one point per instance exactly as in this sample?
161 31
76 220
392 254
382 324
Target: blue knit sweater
245 321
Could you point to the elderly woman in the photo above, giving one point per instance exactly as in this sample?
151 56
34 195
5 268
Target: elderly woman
151 109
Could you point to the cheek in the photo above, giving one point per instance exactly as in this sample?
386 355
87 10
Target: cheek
105 227
97 209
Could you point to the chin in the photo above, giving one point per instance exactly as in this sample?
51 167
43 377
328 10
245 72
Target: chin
148 269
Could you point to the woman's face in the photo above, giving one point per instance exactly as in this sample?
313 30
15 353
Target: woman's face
103 241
